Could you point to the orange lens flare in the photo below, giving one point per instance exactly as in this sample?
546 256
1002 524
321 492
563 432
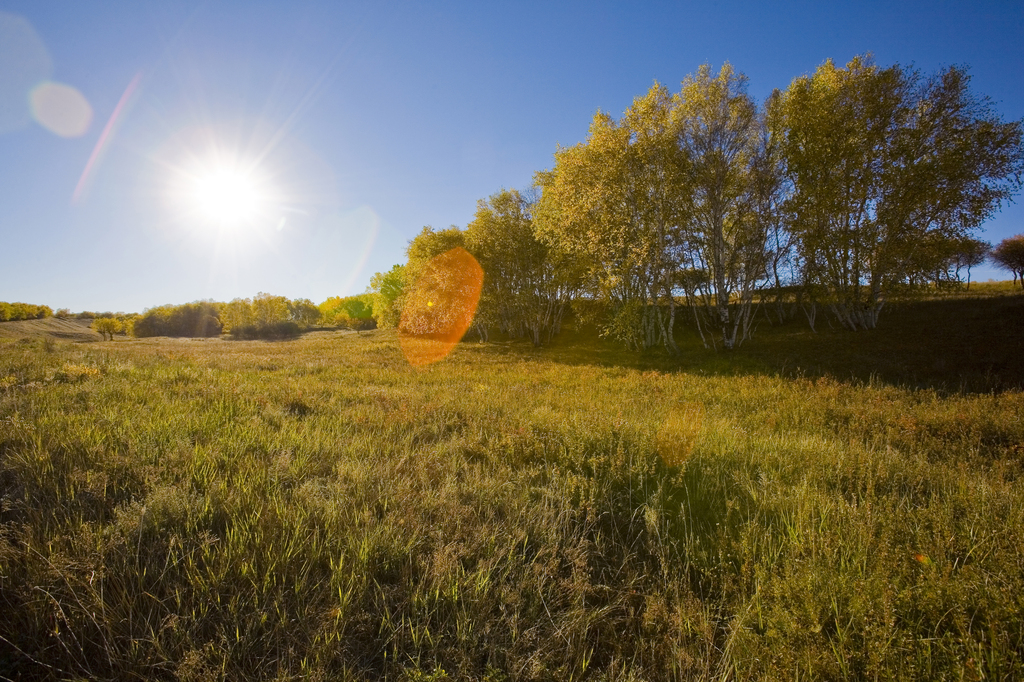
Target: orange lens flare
679 433
440 307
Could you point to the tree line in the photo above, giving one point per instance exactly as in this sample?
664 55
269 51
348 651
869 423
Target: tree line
23 311
264 316
854 185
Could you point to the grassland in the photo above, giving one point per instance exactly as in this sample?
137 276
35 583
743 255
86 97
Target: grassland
50 327
814 506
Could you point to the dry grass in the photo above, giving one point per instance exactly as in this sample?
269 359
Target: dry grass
51 327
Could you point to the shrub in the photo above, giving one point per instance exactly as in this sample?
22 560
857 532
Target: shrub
343 311
198 319
273 331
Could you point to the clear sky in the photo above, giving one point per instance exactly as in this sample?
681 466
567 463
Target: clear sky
357 123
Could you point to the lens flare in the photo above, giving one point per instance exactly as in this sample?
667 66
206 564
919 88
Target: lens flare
440 307
24 63
61 109
106 136
679 433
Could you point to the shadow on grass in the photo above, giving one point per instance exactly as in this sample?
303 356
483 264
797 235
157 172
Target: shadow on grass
961 345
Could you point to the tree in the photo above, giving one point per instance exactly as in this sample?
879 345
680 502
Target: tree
421 252
1009 255
386 291
197 319
528 285
128 324
237 313
968 253
767 193
886 163
23 311
680 195
303 312
428 244
106 326
349 312
440 306
733 182
268 309
613 204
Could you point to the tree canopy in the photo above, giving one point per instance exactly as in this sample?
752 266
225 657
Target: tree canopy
885 162
854 184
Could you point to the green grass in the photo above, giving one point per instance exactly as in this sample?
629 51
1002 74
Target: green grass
845 506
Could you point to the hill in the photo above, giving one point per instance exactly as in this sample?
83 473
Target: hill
50 327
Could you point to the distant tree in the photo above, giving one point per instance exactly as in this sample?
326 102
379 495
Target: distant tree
153 322
23 311
198 319
969 253
885 163
330 308
237 313
62 313
1009 255
269 309
387 290
128 324
303 312
107 326
442 302
344 320
349 312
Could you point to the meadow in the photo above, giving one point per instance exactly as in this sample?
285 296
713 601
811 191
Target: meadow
836 505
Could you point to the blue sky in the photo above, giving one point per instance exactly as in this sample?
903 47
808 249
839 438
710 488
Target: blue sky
367 121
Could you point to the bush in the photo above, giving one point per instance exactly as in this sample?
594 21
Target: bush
273 331
198 319
345 321
345 311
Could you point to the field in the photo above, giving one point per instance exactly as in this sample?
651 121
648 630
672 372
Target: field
813 506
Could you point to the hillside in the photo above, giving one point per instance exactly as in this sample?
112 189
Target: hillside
50 327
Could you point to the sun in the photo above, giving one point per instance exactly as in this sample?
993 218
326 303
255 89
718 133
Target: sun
227 196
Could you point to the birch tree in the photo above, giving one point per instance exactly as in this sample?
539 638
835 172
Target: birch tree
614 203
885 163
732 191
528 285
